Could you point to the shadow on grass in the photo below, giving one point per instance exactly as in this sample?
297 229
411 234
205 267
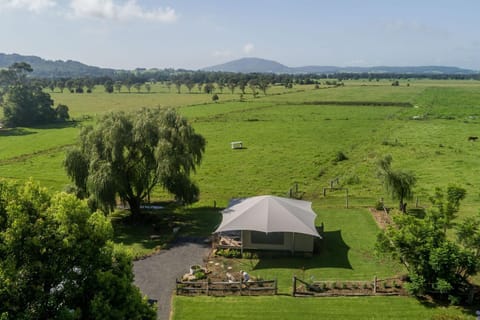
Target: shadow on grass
15 132
156 229
333 253
57 125
431 303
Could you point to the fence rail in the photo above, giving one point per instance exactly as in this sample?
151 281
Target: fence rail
264 287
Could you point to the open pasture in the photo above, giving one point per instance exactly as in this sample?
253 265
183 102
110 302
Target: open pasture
288 139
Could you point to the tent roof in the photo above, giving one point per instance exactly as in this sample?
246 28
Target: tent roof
270 214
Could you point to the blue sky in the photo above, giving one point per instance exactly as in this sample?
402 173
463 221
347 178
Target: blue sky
194 34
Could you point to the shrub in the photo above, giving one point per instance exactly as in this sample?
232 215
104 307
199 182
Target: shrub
200 275
379 205
229 253
340 156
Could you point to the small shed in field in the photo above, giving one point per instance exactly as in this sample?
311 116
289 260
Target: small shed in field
271 223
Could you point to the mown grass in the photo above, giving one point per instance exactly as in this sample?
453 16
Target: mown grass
282 308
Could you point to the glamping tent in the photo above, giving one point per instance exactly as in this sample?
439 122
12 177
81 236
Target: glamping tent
271 223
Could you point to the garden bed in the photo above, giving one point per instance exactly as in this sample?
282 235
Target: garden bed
380 287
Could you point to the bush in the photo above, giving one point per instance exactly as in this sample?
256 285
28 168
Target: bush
200 275
379 205
229 253
340 156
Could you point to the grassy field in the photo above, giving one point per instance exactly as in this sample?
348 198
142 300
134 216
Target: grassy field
283 308
292 136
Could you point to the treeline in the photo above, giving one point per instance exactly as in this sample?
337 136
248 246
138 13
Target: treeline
208 82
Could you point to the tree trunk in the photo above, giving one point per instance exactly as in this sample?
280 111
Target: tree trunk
134 204
403 207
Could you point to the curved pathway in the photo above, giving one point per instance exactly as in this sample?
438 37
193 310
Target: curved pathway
155 275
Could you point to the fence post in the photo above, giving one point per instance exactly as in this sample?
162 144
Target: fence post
276 286
208 281
241 285
375 285
294 284
346 197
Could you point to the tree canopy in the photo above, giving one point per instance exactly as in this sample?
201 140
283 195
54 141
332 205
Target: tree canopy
436 264
399 183
24 102
128 154
57 260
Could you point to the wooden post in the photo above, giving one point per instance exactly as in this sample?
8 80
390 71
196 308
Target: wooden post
208 281
346 197
416 203
324 192
275 286
294 285
375 285
241 284
241 241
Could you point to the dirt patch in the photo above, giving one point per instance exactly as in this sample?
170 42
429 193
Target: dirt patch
381 218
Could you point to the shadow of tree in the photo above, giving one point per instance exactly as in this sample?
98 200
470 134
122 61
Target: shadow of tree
15 132
333 254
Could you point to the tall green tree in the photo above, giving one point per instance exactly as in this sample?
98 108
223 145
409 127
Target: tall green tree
446 205
128 154
24 102
399 183
436 264
57 260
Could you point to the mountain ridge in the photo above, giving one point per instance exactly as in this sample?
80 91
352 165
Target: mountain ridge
44 68
248 65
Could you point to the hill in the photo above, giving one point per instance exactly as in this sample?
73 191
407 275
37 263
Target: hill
55 69
249 65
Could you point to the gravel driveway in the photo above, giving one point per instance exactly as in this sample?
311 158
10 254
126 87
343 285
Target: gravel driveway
155 275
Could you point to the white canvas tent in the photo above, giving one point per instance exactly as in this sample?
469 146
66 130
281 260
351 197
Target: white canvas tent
288 223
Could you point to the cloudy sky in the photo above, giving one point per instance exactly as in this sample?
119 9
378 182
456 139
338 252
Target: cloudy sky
193 34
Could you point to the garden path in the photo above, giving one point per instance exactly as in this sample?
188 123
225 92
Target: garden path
155 275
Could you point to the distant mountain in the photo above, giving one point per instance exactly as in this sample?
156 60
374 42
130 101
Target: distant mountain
55 69
249 65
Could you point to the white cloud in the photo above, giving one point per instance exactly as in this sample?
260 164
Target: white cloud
248 48
30 5
109 9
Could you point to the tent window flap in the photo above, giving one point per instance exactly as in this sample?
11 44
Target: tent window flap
267 238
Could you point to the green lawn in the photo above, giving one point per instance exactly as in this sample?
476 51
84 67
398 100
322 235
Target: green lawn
284 307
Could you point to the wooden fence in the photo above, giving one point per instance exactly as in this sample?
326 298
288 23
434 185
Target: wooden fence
376 287
257 288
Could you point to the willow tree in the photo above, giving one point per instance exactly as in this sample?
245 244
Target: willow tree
128 154
399 183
